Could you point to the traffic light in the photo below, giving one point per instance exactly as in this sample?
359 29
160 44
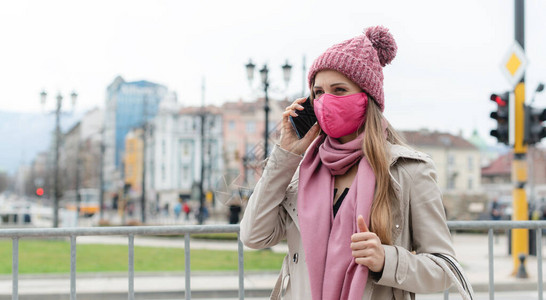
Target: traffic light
534 131
39 192
502 116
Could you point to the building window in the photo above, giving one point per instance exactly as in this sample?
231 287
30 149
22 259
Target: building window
451 159
451 182
185 173
470 163
163 147
162 172
231 125
470 184
250 127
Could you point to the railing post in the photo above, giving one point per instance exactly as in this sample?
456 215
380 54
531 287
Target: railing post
131 256
241 267
491 266
72 267
15 269
187 265
539 261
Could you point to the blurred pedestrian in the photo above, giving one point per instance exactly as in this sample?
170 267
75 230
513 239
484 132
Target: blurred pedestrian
234 211
177 209
496 213
187 210
166 209
362 213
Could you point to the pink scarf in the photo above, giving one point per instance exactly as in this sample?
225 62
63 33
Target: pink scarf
333 272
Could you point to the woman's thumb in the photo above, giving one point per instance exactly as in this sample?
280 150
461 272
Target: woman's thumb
361 224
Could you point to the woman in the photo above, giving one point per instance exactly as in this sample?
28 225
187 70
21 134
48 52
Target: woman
360 211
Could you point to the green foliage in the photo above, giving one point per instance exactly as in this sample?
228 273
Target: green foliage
53 256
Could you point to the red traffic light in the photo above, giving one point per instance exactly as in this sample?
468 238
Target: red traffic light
40 192
499 100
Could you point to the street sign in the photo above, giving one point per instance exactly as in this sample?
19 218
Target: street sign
514 64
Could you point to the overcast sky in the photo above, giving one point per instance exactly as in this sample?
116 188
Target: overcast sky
448 61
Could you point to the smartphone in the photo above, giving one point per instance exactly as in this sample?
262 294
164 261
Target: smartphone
305 120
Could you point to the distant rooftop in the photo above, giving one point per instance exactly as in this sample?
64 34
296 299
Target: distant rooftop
436 139
254 106
500 166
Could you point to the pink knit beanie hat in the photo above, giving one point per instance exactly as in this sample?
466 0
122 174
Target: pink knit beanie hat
361 59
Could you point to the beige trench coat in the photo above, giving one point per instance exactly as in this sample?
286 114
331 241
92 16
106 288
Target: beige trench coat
419 225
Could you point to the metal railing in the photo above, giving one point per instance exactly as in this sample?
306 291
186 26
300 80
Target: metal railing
490 226
130 232
187 230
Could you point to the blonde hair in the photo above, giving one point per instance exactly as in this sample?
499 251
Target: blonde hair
376 136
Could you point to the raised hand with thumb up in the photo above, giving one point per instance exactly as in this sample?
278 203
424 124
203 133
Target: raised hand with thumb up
367 248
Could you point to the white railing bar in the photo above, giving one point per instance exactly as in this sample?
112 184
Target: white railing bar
539 262
182 229
241 268
136 230
486 225
15 269
187 266
491 265
72 267
131 256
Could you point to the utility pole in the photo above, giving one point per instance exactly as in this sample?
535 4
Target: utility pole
78 178
201 194
57 188
101 176
266 110
520 237
56 183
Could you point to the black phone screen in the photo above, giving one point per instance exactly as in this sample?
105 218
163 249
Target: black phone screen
305 120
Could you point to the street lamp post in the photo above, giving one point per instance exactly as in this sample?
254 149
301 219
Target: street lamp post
56 184
264 73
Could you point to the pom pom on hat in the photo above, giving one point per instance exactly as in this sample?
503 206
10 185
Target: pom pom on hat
383 42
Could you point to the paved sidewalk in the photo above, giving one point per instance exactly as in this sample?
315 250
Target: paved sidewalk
471 251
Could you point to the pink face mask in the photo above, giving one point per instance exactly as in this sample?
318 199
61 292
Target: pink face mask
340 115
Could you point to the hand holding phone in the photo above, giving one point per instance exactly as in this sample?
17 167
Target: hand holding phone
305 120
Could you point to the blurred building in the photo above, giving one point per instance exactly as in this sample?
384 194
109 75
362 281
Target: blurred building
458 168
488 153
132 161
457 160
91 147
497 176
128 105
80 153
70 159
173 155
244 125
80 162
